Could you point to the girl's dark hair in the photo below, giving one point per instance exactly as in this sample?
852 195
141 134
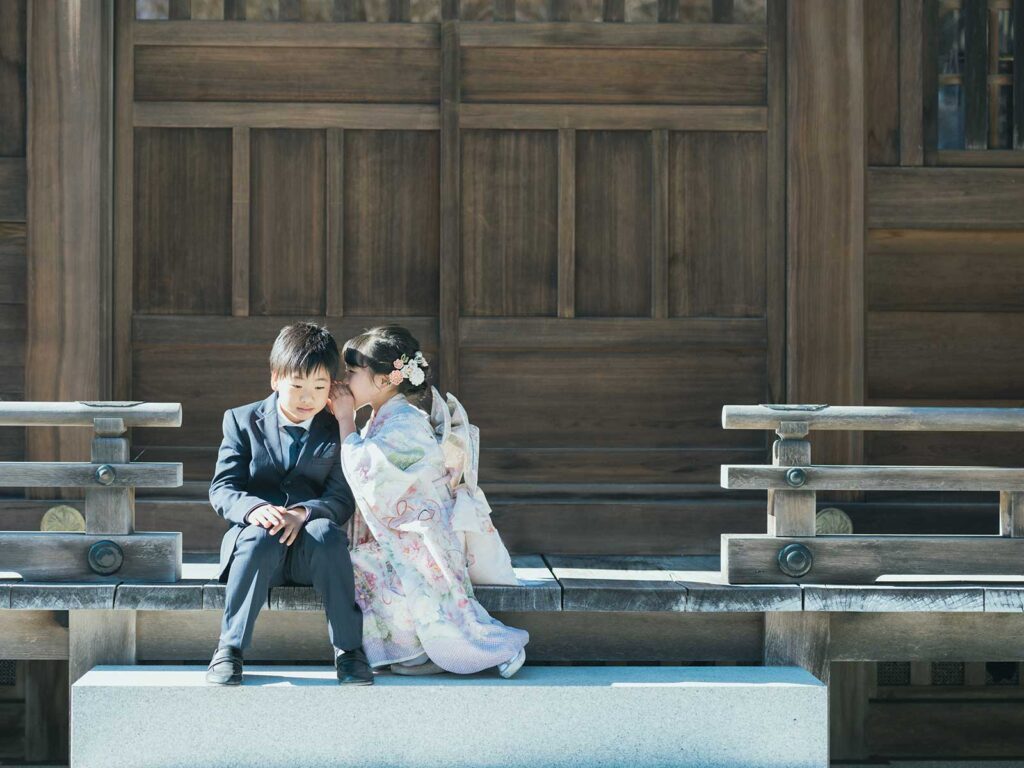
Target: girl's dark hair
379 347
301 348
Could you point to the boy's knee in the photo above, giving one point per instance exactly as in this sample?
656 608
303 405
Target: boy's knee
325 531
258 538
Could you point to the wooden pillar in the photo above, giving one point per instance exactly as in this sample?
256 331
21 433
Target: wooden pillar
99 637
825 164
70 71
46 711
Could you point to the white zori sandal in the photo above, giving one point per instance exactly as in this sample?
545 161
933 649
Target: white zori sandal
508 668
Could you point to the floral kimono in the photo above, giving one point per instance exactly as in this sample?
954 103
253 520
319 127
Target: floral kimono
420 520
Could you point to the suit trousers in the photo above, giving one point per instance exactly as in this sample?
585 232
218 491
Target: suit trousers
319 557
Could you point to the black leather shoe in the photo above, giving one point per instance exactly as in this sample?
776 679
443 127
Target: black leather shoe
225 666
353 668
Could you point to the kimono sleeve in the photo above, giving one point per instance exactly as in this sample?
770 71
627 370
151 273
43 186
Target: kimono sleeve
393 473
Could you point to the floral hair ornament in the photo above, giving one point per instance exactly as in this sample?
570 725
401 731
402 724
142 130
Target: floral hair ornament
410 368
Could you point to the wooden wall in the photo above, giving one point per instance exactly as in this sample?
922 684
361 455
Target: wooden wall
581 223
13 182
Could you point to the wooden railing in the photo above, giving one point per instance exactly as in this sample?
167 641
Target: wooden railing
109 549
791 552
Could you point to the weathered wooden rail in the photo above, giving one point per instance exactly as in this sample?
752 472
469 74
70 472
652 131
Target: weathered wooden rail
109 549
791 552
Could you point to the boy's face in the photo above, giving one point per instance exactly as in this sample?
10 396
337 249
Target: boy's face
302 396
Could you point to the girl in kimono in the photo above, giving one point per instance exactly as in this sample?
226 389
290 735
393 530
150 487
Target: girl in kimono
421 533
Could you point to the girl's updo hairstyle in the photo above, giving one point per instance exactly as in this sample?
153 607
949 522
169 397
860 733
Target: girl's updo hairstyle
379 347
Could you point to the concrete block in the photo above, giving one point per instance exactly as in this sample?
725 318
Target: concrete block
555 717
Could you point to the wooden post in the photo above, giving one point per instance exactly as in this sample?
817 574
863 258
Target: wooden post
791 513
800 639
70 100
825 166
46 711
99 637
110 510
1011 513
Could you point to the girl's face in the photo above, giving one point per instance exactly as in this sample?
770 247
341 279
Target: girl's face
367 387
302 396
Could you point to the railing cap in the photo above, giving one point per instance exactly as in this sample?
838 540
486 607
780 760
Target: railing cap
874 417
134 413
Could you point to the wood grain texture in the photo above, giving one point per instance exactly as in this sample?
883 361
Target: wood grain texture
881 81
450 190
945 198
510 226
124 199
613 224
241 114
55 557
912 81
825 162
717 237
13 185
482 34
684 414
13 91
930 636
391 223
263 34
622 76
46 710
286 273
70 61
99 637
856 477
944 270
939 354
857 559
182 226
32 635
613 117
798 639
241 175
188 73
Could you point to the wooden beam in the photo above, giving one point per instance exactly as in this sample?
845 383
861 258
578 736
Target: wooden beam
32 635
70 103
876 417
641 117
862 559
837 477
1011 514
825 169
56 557
286 34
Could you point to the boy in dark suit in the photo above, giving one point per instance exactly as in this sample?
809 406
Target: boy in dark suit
279 482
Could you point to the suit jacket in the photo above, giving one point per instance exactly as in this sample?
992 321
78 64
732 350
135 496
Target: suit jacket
251 471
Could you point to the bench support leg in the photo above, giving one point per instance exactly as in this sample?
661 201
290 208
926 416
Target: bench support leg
99 637
798 638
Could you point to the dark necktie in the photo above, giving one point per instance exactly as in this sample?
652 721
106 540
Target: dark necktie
293 453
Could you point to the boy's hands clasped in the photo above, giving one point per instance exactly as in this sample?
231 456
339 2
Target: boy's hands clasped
287 522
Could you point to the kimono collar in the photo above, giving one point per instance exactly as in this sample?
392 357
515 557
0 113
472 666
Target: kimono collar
389 405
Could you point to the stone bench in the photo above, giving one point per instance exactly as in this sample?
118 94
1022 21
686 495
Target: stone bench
546 716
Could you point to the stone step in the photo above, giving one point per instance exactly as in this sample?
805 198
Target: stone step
556 717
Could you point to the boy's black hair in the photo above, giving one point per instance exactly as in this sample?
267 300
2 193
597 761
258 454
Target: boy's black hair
301 348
